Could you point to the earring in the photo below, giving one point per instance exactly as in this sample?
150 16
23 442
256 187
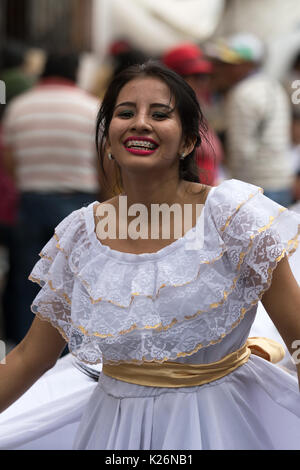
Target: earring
109 156
182 156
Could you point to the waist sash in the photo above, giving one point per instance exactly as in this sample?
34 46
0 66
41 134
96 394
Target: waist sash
175 374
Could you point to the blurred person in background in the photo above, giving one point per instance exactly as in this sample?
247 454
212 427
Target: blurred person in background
17 81
188 60
120 54
291 83
292 75
50 152
12 73
257 116
8 214
295 151
123 55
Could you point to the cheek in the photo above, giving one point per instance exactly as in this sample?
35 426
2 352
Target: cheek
113 134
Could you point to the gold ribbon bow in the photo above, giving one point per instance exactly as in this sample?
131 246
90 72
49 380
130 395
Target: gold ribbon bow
176 375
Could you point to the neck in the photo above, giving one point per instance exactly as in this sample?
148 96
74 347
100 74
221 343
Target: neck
149 190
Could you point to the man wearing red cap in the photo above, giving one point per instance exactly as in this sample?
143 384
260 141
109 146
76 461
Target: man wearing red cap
188 61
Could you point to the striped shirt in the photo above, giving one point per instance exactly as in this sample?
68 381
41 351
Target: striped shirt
258 123
50 131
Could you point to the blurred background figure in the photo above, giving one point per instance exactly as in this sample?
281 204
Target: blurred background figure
291 82
123 54
257 117
49 151
188 61
120 54
292 74
12 70
295 151
17 80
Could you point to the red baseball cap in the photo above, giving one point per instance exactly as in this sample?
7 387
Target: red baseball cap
187 59
118 47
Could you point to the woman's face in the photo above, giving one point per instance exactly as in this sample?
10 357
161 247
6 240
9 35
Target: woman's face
145 131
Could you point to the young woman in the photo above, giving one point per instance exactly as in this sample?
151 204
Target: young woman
168 315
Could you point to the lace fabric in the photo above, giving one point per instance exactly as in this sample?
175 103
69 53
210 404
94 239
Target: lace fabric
113 307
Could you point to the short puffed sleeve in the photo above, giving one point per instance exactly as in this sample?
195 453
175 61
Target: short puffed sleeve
55 276
257 233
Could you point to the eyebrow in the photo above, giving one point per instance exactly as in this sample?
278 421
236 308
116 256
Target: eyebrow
152 105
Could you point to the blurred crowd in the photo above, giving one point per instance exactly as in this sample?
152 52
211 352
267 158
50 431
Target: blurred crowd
48 160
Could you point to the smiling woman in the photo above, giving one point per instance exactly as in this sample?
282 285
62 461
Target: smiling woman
169 321
177 103
140 128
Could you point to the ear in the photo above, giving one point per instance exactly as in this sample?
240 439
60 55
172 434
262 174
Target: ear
188 146
107 146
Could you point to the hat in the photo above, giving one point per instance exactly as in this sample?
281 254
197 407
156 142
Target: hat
118 47
187 59
236 49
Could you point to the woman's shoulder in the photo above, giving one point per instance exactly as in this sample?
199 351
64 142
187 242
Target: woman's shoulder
196 192
74 228
112 201
229 190
241 211
233 192
233 199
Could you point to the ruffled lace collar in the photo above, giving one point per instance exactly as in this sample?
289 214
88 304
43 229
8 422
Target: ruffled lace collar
160 306
142 257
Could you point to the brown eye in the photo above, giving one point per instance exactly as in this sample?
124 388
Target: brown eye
125 114
160 115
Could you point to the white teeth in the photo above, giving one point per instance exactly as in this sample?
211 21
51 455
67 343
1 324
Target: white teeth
140 143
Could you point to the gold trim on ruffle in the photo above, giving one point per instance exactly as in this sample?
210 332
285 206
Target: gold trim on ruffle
61 330
242 255
159 326
199 346
38 281
260 190
48 258
178 355
137 294
134 294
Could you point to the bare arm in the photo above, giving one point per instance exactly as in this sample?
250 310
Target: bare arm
27 362
282 302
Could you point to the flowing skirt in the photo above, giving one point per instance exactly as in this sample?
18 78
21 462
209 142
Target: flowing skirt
255 407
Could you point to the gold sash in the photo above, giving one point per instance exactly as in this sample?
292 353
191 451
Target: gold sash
175 374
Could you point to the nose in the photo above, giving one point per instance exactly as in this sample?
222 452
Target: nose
141 122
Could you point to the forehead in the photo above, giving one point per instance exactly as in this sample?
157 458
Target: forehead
148 89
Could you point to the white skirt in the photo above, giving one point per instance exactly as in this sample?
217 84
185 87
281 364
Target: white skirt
255 407
46 417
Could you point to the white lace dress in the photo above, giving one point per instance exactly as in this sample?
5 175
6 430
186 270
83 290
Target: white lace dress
184 303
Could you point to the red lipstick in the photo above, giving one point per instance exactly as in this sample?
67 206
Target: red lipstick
148 148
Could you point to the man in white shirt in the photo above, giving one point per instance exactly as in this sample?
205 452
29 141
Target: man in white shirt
257 117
